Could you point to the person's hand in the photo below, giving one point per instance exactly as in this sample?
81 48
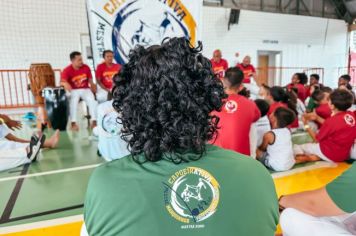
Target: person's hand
305 119
93 88
312 116
13 124
66 86
259 153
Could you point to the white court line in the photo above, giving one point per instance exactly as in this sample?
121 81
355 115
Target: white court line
319 164
41 224
49 172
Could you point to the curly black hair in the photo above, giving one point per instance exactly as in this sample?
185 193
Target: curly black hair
303 78
165 95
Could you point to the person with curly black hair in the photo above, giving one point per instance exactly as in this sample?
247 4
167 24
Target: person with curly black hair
173 182
298 81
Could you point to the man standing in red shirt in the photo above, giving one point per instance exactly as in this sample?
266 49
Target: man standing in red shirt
77 81
104 75
334 141
237 115
248 69
219 64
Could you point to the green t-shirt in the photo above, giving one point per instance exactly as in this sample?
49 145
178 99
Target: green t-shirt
223 193
343 190
311 105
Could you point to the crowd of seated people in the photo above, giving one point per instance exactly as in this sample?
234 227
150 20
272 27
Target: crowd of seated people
170 127
326 114
184 127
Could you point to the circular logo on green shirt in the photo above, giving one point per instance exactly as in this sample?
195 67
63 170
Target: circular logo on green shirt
191 195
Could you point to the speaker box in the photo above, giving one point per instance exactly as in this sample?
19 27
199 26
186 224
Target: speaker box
234 17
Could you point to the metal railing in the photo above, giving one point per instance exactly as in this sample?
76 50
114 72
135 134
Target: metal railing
276 75
14 88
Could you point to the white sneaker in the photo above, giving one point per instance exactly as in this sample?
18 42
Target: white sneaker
35 147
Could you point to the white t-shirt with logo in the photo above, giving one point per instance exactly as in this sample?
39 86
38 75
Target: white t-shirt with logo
110 144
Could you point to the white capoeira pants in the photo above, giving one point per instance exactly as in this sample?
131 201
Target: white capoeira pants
310 149
297 223
88 96
12 154
101 95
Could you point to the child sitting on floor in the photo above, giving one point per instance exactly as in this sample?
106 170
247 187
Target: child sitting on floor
280 97
276 150
110 144
262 125
322 111
334 141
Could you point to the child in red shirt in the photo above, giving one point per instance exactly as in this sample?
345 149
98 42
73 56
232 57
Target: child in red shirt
298 81
279 97
237 115
334 141
322 111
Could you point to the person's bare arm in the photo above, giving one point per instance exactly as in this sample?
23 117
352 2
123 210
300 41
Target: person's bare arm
317 203
92 85
13 138
308 129
319 119
10 123
66 85
268 138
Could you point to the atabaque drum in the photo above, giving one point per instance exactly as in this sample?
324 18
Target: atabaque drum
56 105
41 76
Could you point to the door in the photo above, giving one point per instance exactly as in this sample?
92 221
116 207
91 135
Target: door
263 63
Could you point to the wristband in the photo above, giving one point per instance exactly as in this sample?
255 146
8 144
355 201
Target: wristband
2 121
306 127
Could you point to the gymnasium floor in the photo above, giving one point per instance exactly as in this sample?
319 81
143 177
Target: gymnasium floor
46 198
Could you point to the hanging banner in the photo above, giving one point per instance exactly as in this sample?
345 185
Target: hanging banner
120 25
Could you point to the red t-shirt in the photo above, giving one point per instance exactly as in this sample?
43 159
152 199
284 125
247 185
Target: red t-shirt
302 92
247 70
323 110
236 117
337 135
77 78
105 74
219 68
307 91
276 105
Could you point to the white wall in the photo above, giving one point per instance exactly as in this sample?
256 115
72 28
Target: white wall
46 31
40 31
303 41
